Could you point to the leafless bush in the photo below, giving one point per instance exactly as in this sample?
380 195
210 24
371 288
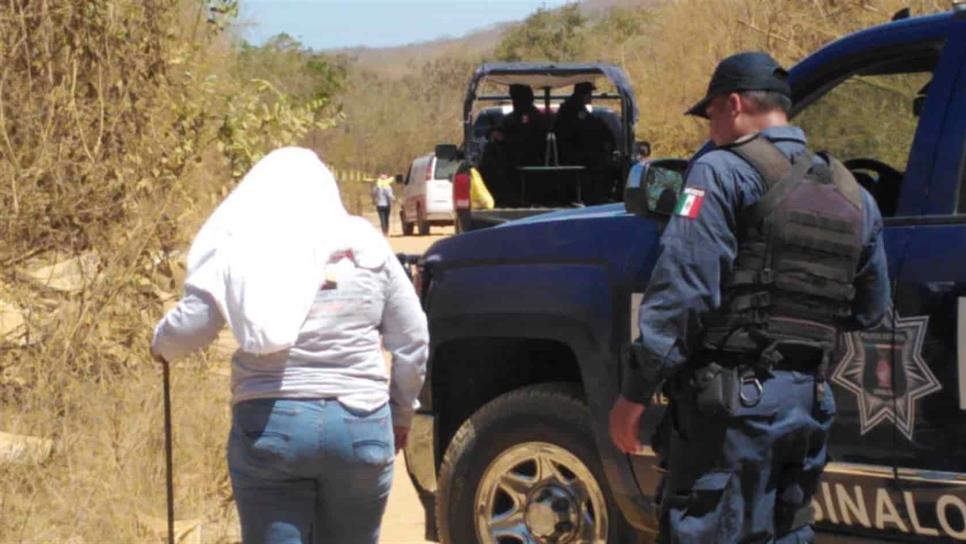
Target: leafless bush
121 126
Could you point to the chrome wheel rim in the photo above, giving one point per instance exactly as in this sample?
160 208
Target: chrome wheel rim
539 493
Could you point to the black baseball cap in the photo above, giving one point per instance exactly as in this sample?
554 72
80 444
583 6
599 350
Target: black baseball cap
750 71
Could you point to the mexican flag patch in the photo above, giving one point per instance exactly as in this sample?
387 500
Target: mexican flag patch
690 203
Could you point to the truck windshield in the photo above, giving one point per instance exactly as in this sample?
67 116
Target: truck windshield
869 121
445 169
868 116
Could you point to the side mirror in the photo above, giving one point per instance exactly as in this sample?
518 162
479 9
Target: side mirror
399 178
447 152
653 186
643 149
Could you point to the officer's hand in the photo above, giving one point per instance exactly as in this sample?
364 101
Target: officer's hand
625 417
402 436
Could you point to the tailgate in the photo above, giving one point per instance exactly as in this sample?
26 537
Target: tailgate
439 195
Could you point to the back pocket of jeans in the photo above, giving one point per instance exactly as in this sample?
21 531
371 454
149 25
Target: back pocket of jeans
371 439
264 427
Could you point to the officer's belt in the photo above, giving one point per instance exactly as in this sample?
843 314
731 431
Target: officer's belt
794 358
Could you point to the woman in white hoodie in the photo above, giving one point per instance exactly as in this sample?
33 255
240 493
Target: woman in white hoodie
308 291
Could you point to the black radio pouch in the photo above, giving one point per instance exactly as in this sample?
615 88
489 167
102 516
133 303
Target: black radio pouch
717 389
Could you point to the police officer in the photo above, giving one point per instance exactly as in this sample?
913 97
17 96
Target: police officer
772 252
524 130
583 138
573 109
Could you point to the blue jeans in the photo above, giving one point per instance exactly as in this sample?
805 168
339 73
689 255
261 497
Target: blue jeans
383 212
309 471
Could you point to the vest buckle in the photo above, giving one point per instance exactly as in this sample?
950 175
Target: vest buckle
766 276
750 399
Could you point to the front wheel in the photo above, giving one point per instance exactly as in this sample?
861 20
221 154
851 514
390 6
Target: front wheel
524 470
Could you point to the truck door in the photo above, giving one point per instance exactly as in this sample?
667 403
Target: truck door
881 120
929 363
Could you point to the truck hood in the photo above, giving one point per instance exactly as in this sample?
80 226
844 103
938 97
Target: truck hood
604 210
605 233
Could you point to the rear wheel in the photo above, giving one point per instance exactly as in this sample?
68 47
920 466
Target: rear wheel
423 223
407 227
524 470
461 221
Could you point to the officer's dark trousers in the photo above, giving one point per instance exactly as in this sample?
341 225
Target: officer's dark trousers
749 477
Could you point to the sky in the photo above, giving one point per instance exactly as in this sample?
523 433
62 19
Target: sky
331 24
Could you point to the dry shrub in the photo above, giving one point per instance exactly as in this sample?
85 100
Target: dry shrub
108 466
679 48
391 121
121 126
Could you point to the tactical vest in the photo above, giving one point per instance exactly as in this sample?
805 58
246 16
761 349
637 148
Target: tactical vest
798 251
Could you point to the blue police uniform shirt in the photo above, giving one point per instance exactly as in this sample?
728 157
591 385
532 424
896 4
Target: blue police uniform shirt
697 255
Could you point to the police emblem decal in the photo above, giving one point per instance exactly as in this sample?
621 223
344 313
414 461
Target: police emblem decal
883 367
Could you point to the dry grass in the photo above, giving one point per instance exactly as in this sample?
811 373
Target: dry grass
119 128
671 60
108 465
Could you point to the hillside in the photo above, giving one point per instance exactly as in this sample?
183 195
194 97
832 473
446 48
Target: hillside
397 61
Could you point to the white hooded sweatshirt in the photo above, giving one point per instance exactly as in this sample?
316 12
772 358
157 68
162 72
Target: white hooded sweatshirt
306 290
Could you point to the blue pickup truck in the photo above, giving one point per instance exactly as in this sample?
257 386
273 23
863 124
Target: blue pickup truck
529 321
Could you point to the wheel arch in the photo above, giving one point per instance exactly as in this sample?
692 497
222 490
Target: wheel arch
489 367
475 359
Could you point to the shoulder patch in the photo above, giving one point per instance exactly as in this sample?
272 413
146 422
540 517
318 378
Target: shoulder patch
689 205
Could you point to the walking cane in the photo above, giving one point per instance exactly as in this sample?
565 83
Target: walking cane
168 439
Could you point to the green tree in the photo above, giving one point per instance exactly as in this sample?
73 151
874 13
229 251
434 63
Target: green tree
556 35
618 34
293 69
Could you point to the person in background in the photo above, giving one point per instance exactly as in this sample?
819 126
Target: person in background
573 111
524 130
308 292
382 199
584 139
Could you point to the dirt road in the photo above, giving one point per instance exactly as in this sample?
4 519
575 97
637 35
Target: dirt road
403 522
